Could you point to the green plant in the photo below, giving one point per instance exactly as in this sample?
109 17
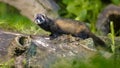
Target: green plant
7 64
96 61
112 37
82 10
117 2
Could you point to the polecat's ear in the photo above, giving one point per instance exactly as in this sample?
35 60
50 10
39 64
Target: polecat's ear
45 16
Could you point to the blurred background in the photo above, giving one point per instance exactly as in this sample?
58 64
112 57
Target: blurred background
86 11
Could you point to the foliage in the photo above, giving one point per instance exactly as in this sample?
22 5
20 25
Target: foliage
117 2
83 10
8 64
96 61
112 37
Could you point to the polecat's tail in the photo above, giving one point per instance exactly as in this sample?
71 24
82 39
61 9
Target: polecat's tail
98 41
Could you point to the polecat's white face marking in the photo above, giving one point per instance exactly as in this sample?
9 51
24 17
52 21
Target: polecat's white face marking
40 19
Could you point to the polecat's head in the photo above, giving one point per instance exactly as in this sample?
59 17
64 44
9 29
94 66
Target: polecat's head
40 19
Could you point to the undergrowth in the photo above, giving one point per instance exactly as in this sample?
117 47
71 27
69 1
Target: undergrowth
96 61
12 20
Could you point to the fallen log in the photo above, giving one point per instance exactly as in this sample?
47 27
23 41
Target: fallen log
40 51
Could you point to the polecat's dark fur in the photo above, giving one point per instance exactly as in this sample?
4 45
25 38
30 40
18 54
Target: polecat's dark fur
66 26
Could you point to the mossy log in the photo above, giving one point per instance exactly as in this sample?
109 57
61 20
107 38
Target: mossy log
40 51
110 13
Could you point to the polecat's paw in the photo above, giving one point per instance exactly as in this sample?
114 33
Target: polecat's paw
53 36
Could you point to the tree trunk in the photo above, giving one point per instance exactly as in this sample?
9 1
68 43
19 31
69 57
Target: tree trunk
30 8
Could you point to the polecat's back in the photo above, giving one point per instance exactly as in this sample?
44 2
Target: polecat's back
70 26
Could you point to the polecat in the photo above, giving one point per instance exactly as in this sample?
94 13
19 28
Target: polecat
61 26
